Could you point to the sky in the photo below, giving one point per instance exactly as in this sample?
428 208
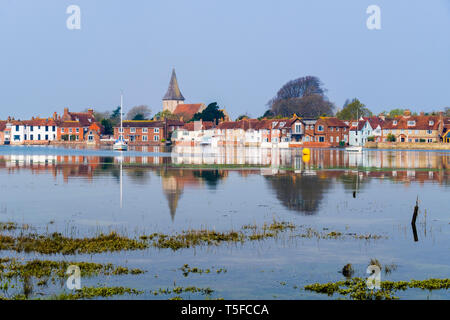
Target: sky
236 53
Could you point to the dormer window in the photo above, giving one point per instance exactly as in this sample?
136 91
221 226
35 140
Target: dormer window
282 124
431 122
395 122
411 123
274 124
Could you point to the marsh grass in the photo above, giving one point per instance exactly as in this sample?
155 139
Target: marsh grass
356 288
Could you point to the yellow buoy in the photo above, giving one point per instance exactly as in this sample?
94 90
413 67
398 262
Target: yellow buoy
306 151
306 158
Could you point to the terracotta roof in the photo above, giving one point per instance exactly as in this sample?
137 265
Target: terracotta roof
142 124
205 125
173 92
70 124
175 122
188 110
421 123
35 122
332 122
84 118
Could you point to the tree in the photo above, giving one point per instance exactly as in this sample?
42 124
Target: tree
243 116
108 126
141 112
353 110
304 96
396 112
166 114
211 113
390 137
447 112
312 106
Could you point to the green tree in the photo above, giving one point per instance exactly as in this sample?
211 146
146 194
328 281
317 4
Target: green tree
211 113
166 114
352 110
242 116
108 126
390 137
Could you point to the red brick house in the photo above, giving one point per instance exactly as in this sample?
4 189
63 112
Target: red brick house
332 131
70 131
143 132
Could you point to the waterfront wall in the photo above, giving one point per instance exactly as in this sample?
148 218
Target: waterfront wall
407 146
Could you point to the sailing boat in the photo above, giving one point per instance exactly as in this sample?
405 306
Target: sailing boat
120 144
358 148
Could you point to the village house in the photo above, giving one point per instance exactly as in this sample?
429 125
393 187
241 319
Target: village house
331 131
413 129
70 131
141 132
364 129
446 130
5 132
34 131
194 133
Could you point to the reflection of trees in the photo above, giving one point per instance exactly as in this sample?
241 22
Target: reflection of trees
211 177
138 174
299 193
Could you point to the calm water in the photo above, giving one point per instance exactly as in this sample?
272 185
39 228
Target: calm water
78 192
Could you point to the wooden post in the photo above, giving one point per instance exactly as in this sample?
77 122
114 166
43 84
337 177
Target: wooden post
414 218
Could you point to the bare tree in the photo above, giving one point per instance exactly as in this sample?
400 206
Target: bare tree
141 112
304 96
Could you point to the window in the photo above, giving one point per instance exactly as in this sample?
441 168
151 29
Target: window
31 128
411 123
431 122
331 128
46 128
144 138
78 130
39 137
156 130
54 128
156 138
307 138
337 128
395 122
429 131
76 138
298 128
46 137
121 130
331 139
430 140
31 137
337 139
321 139
320 128
410 131
70 130
133 130
144 130
17 128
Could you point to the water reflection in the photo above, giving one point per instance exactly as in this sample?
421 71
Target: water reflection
299 185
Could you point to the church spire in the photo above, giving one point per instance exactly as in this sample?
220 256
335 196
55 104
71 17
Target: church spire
173 92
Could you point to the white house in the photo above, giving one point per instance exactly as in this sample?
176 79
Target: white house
33 131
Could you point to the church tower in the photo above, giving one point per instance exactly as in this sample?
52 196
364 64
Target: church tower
173 95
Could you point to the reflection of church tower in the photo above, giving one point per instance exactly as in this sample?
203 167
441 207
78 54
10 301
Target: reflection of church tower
173 192
173 95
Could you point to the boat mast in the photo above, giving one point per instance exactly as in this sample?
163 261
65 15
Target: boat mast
121 105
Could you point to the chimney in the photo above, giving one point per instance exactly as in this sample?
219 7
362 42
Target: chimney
9 118
55 116
66 114
407 113
422 113
382 116
91 111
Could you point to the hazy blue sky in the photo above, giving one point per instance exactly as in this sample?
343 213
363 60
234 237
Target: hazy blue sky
238 53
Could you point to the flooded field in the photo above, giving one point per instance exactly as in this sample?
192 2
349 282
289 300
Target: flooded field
203 223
